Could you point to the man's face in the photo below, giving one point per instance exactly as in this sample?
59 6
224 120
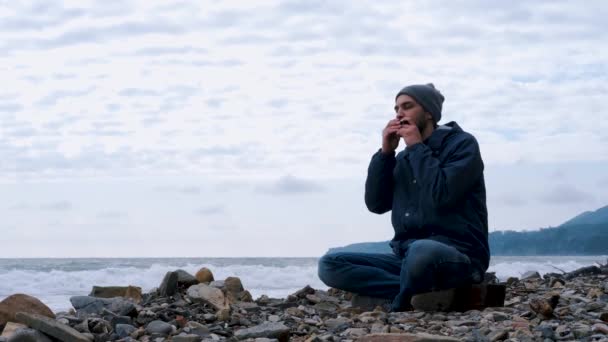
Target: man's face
406 108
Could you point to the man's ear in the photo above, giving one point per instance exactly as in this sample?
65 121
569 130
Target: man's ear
429 116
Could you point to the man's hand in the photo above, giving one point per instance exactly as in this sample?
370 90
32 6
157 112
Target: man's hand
410 133
390 137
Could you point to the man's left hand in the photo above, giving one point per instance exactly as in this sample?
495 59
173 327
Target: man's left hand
410 134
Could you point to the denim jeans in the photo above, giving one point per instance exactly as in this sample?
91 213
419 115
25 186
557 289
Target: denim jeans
426 265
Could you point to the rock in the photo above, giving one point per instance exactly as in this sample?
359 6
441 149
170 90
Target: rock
563 332
599 327
11 327
168 287
132 292
498 335
28 335
604 316
207 294
531 275
223 315
21 303
306 290
185 279
124 330
266 329
419 337
50 327
120 320
91 305
245 296
354 332
544 306
337 324
197 328
186 338
159 327
204 275
233 289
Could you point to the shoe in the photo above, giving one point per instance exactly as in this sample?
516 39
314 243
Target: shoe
367 303
473 297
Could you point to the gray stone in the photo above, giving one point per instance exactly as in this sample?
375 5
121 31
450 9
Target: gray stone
185 279
531 275
90 305
159 327
120 320
266 329
168 287
337 324
28 335
50 327
419 337
186 338
211 295
124 330
355 332
197 328
581 331
498 335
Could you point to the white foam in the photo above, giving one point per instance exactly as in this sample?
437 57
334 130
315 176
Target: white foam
54 288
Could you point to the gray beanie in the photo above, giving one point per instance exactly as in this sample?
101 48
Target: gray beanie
427 96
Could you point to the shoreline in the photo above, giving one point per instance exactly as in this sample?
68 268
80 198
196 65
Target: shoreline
185 309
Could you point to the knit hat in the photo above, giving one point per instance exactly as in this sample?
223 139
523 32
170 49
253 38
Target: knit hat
427 96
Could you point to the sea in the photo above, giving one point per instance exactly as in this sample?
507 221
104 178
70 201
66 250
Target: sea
54 281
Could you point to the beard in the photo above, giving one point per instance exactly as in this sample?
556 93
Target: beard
421 122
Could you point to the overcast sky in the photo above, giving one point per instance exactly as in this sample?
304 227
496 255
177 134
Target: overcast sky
244 128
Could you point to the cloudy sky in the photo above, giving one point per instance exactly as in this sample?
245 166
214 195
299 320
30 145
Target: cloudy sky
244 128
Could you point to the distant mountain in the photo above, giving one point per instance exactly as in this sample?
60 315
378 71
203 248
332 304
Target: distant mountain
364 247
589 217
584 234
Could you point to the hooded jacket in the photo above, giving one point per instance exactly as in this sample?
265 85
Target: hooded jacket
436 190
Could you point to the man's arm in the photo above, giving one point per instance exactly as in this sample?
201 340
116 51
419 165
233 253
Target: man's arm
444 185
379 182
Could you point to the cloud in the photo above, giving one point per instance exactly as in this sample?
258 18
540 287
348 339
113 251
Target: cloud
57 206
111 215
288 185
164 51
566 194
210 210
512 200
55 96
10 107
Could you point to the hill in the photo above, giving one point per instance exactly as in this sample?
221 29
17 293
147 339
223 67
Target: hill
584 234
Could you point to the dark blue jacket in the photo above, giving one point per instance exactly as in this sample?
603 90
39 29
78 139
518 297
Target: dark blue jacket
436 191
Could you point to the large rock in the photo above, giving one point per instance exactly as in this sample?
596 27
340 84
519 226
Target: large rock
420 337
28 335
10 328
207 294
204 275
168 287
21 303
185 279
235 292
51 327
269 330
159 327
132 292
88 305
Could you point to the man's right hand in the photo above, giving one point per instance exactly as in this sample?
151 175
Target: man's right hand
390 139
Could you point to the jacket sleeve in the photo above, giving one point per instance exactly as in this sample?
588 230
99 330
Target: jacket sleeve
444 185
379 183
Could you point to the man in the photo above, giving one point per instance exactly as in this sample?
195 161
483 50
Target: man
436 191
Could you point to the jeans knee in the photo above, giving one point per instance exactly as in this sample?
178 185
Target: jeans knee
326 269
422 255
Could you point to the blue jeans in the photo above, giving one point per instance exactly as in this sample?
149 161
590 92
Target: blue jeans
426 265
